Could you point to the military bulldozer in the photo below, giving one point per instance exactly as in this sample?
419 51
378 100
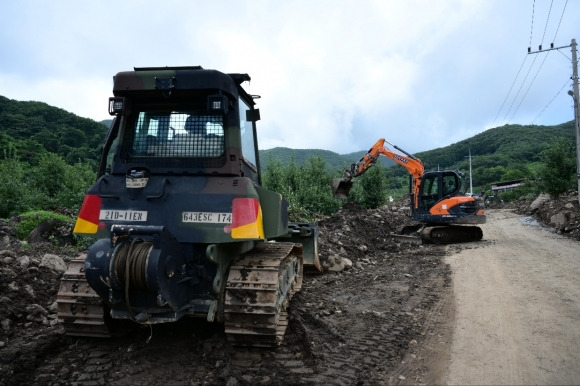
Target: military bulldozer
183 226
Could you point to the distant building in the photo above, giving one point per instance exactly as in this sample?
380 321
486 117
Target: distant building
504 186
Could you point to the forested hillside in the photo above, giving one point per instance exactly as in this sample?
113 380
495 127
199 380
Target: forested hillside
498 154
29 129
48 159
501 146
300 156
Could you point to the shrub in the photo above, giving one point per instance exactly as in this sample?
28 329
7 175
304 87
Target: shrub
558 173
306 187
32 219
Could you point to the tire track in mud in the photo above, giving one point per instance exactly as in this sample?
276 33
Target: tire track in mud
363 339
349 328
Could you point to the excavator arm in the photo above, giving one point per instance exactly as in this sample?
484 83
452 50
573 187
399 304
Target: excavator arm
341 186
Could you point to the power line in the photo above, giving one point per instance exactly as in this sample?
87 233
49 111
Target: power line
532 26
541 64
539 68
530 86
519 71
547 20
520 89
523 82
560 22
549 103
510 90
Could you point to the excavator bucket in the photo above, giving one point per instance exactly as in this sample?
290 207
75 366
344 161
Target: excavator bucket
341 187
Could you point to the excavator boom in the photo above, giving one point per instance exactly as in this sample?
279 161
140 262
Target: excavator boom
341 186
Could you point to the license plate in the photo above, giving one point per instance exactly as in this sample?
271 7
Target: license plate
123 215
207 217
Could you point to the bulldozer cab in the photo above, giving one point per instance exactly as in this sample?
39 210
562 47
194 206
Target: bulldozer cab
206 129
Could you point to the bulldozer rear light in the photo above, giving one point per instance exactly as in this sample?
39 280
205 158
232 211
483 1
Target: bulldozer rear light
88 218
247 219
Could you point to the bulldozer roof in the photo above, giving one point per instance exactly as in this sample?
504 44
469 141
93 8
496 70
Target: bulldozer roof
170 79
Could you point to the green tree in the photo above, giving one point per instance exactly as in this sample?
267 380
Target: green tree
516 172
273 177
7 146
29 150
558 174
374 187
14 192
77 180
49 185
306 187
314 193
73 137
49 175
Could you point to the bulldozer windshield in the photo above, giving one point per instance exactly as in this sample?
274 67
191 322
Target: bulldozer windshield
176 134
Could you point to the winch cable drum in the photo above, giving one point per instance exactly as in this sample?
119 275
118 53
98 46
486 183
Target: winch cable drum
131 267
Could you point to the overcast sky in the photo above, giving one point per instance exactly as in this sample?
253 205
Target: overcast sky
334 75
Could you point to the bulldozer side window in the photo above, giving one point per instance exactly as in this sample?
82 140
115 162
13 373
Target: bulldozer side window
178 134
247 133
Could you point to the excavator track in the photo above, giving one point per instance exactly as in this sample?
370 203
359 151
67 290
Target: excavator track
450 234
258 290
80 309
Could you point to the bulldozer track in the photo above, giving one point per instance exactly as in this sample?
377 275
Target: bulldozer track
258 290
80 309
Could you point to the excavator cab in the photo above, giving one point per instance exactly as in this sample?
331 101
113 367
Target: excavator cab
442 200
436 186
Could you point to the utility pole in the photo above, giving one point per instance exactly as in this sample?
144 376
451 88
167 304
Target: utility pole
470 180
575 94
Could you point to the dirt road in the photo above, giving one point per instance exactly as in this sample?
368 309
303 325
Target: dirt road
517 306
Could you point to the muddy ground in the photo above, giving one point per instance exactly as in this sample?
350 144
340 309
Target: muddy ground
377 316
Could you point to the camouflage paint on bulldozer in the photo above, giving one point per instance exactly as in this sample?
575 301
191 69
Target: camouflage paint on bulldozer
179 202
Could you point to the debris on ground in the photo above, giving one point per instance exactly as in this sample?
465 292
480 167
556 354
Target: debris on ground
366 320
561 214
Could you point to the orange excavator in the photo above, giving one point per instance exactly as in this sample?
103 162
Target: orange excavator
444 212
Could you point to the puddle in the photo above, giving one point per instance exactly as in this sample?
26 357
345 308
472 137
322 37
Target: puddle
530 221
